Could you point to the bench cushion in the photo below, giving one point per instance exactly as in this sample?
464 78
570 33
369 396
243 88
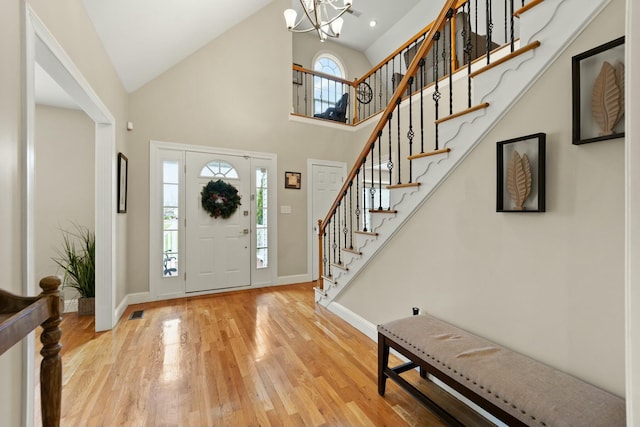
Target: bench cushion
532 392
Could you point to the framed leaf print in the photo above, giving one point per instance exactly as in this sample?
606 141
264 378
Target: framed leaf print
521 174
598 93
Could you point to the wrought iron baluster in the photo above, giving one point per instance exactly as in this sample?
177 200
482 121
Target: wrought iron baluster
364 193
306 94
398 156
336 219
410 133
358 199
468 47
506 20
328 252
350 215
476 26
380 170
372 190
511 18
345 230
489 29
451 53
422 71
436 91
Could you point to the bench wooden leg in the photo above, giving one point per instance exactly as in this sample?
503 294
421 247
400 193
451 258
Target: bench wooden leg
383 362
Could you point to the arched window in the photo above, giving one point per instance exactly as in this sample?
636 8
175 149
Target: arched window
219 169
327 92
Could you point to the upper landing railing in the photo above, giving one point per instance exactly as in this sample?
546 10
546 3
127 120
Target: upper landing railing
315 92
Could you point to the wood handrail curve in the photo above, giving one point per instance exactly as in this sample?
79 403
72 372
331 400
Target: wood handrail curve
397 95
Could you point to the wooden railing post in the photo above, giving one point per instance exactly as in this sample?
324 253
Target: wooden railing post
320 254
51 366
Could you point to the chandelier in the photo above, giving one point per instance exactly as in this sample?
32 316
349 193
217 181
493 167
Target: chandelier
322 16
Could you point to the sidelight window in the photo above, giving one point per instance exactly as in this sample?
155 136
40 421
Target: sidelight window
171 214
262 209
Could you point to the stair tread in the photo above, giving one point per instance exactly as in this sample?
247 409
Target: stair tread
352 251
429 153
383 211
367 233
506 58
330 279
407 185
526 7
463 112
340 266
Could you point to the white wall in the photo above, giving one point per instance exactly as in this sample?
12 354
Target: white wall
64 181
550 285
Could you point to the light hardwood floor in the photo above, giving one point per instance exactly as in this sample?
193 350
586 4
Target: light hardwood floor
264 357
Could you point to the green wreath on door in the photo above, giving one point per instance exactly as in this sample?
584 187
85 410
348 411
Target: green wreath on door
220 199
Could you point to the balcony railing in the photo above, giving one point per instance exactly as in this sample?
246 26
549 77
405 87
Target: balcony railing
469 35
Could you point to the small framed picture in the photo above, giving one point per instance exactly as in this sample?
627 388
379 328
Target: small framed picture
521 174
292 180
598 93
123 172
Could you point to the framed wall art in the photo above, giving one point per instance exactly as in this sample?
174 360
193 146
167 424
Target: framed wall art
292 180
598 93
521 174
123 172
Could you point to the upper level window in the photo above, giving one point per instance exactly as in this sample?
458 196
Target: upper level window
327 92
219 169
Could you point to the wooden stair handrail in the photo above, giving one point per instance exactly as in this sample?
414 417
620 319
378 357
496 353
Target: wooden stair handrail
405 45
397 95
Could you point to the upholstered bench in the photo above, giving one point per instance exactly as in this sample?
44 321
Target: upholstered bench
514 388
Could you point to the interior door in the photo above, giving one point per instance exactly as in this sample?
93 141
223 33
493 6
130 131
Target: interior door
218 251
326 182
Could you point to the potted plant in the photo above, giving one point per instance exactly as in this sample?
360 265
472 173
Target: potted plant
78 260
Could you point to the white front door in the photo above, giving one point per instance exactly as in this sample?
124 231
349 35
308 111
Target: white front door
326 182
218 253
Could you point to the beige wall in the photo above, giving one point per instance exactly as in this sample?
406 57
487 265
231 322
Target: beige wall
70 25
233 93
548 284
65 185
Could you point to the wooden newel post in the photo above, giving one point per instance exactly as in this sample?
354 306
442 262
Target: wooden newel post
320 254
51 367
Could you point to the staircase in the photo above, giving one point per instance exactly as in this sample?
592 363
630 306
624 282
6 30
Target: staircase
349 245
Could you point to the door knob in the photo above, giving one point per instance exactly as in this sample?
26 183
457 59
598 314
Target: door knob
245 231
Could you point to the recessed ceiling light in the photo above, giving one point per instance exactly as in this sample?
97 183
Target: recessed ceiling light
372 24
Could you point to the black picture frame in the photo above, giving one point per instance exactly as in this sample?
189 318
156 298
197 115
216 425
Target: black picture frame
534 147
292 180
123 177
585 68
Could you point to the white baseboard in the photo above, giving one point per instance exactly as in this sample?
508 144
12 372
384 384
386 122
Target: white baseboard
297 278
137 298
355 320
70 306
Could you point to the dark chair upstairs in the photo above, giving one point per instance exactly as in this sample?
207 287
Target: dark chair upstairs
336 113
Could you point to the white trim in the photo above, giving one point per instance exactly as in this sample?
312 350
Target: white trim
296 278
312 222
41 46
360 323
